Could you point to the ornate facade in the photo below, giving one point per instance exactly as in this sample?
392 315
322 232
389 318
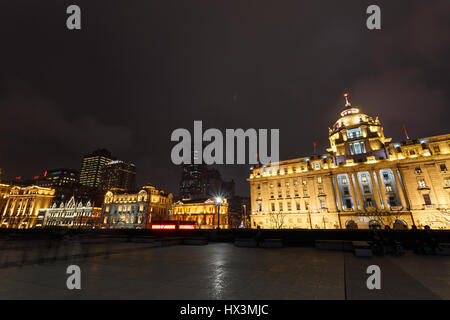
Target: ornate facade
70 215
203 212
23 205
363 181
135 210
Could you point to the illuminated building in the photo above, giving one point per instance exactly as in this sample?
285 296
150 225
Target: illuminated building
364 180
198 181
135 210
119 174
203 212
4 193
70 215
59 177
23 205
92 167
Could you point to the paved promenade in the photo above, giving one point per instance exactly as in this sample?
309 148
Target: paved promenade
221 271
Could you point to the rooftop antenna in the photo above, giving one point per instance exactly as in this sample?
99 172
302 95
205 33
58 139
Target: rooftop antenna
347 103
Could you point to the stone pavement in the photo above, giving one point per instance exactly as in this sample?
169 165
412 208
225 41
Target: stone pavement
222 271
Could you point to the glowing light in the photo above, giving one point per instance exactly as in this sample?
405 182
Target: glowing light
187 227
163 226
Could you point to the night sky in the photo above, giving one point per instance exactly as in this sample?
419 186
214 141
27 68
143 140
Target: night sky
140 69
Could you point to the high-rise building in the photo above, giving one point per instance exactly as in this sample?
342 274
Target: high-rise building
198 181
59 177
92 167
119 174
363 181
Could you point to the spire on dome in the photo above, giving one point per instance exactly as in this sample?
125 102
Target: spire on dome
347 103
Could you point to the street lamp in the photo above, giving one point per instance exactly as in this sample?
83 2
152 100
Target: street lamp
218 203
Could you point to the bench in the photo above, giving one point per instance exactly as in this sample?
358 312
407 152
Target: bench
195 241
335 245
271 243
247 243
362 249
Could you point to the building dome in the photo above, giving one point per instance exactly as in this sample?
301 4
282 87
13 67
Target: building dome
356 135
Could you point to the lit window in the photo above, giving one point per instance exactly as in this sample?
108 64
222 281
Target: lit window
418 170
388 188
422 183
319 180
447 182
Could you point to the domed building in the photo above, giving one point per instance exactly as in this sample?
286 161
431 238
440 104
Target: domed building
364 180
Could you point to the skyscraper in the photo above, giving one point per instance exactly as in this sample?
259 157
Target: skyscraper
119 175
92 167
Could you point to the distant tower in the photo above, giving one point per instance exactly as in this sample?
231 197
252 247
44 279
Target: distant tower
119 175
92 167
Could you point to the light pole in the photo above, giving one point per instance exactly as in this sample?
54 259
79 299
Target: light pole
218 203
245 215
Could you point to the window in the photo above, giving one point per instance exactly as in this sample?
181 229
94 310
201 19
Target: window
388 187
443 167
357 147
305 193
426 199
345 190
259 207
297 205
296 192
364 178
447 182
280 205
366 188
273 206
320 189
271 185
271 195
317 165
322 204
279 184
287 183
306 205
344 180
386 176
369 202
258 187
289 206
280 195
436 149
304 182
354 133
418 170
319 179
288 194
422 183
295 182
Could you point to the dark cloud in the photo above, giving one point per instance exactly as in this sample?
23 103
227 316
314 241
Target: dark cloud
138 70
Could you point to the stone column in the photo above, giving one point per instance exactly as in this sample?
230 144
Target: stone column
358 192
337 193
375 190
352 191
382 190
399 189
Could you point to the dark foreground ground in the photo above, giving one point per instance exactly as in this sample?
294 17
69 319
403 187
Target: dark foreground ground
215 271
